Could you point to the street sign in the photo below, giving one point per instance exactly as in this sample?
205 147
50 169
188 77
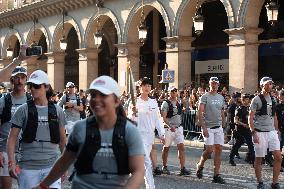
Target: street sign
168 76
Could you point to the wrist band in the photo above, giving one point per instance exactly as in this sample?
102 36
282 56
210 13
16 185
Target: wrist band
43 186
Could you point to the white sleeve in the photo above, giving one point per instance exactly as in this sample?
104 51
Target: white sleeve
159 123
130 114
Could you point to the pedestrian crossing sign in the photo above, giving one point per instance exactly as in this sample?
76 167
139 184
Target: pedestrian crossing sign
168 76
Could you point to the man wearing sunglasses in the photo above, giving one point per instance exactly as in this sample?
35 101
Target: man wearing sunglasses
8 105
41 124
171 112
72 105
263 124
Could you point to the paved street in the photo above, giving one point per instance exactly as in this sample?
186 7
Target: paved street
241 176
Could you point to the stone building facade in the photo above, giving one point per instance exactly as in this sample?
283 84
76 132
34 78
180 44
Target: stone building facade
170 40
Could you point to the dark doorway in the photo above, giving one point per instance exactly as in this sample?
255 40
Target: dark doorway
271 55
104 59
213 39
16 49
147 53
72 58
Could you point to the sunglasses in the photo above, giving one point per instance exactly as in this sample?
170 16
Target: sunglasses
35 86
174 91
95 94
19 70
71 87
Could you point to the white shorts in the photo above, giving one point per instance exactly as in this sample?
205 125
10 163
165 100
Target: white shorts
4 171
177 137
266 140
28 179
216 136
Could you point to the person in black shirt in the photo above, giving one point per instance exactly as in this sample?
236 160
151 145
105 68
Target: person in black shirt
231 116
280 117
242 133
84 103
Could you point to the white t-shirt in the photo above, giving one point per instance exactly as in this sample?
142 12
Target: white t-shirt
148 118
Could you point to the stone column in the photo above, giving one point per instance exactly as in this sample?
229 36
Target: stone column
55 70
156 46
3 63
88 66
32 64
243 59
133 54
179 58
122 62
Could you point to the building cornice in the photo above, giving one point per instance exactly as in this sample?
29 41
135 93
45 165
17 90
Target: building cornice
40 9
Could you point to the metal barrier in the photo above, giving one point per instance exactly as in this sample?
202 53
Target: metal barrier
189 123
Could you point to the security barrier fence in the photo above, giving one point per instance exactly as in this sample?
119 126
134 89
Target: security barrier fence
189 124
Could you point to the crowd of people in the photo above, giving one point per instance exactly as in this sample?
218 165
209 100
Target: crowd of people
109 137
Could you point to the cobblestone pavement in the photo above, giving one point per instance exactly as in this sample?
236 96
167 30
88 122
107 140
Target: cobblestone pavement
241 176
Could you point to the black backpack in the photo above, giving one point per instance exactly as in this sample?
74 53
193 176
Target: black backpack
170 112
77 99
263 109
6 114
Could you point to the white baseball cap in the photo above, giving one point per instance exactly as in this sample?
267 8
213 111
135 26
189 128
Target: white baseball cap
70 84
38 77
265 80
214 79
19 70
171 88
106 85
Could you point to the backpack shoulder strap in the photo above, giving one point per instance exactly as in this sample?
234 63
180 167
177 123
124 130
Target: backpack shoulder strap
29 96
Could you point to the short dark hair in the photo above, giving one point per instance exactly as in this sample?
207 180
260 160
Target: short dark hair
237 95
244 96
145 81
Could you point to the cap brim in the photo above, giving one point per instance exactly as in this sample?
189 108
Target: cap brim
101 89
12 75
267 82
36 82
214 81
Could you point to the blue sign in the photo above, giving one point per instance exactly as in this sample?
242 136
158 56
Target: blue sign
168 76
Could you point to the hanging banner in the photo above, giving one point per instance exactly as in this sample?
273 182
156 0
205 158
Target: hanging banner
168 76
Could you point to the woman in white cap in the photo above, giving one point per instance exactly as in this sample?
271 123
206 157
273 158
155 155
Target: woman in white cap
107 148
41 124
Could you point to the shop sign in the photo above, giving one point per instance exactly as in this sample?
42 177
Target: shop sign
212 66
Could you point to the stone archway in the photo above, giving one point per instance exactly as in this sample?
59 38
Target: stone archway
105 16
11 39
57 58
55 42
248 14
187 10
131 33
39 31
39 36
135 48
